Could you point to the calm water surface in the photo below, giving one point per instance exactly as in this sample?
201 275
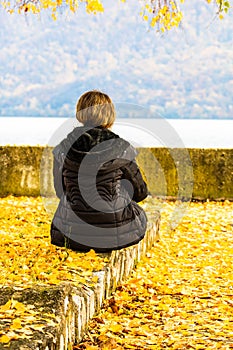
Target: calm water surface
140 132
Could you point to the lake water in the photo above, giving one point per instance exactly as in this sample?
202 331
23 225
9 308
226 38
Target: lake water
161 132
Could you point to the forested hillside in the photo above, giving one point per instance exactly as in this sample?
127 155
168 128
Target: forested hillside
186 73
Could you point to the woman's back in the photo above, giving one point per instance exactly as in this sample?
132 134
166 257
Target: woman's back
98 182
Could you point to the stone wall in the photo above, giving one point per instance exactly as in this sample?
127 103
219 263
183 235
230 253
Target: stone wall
58 315
199 173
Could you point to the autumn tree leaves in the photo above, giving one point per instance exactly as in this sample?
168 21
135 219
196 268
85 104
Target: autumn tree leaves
166 14
160 14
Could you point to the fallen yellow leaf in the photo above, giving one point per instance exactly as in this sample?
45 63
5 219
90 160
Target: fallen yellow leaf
4 339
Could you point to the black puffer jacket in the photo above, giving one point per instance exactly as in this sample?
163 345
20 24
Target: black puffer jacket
98 182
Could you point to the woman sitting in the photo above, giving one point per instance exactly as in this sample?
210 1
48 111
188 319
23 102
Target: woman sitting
98 182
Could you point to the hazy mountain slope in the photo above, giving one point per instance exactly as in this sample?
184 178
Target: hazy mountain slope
46 65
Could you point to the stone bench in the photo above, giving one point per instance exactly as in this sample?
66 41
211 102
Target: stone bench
56 317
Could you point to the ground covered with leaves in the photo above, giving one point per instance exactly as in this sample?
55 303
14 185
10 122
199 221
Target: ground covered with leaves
27 256
180 296
27 260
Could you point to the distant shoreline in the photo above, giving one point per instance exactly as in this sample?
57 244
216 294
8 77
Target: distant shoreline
63 117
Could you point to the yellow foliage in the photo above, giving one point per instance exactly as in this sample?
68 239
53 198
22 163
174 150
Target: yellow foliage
180 296
4 339
94 6
163 13
28 257
16 324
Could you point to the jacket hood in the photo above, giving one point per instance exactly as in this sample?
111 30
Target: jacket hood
97 145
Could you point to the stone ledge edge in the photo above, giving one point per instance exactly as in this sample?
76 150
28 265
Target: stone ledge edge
75 306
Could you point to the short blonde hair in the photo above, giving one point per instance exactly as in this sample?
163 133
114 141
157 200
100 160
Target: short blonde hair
95 108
